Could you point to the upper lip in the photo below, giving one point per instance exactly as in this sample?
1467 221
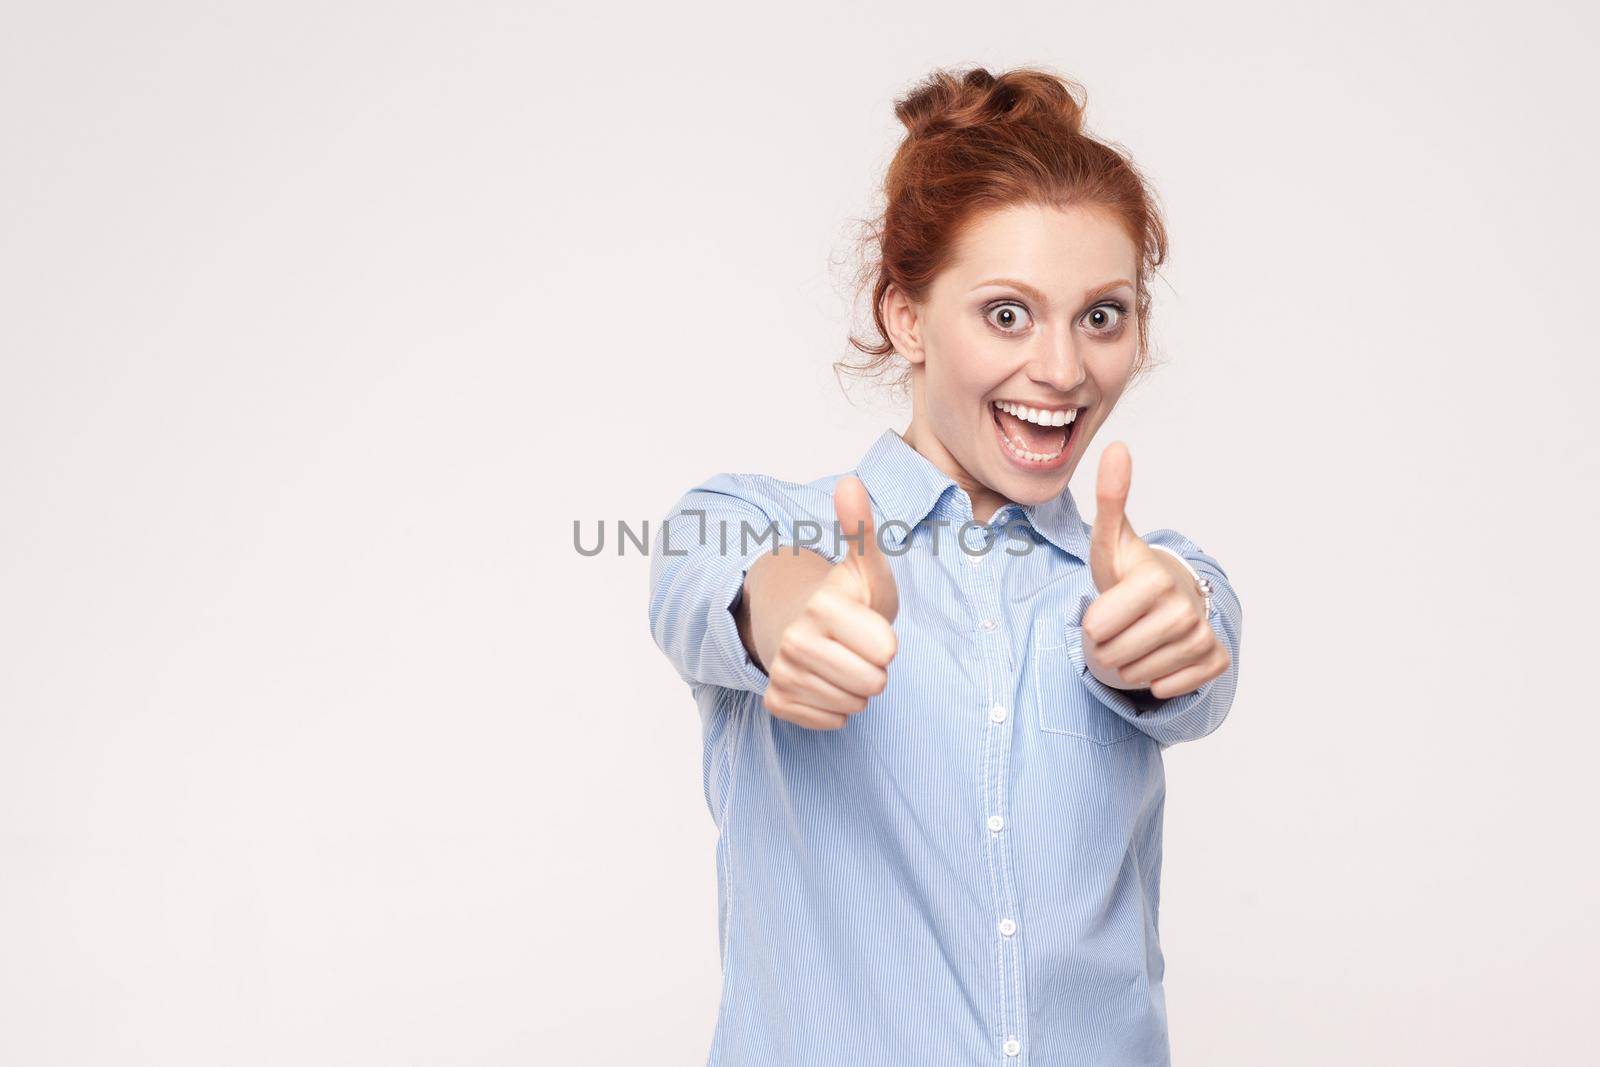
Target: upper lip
1035 405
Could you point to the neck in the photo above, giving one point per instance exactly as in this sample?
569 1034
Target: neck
985 501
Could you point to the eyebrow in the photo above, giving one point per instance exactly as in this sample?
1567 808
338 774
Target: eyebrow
1035 294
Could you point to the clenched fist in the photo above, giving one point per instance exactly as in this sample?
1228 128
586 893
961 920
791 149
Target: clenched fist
834 637
1148 628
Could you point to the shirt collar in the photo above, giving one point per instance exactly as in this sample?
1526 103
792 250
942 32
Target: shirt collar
906 487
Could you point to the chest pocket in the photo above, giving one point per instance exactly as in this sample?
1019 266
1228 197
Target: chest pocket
1062 701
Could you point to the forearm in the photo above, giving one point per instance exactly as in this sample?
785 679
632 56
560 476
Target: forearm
699 559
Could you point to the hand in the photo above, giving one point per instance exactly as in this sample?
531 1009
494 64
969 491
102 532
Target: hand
1148 628
835 653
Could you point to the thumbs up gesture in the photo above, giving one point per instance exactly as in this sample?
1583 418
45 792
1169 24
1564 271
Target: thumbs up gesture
1148 626
834 651
864 574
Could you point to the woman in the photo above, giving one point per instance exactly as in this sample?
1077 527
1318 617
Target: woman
933 718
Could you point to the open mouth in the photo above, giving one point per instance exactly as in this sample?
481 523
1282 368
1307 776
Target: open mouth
1036 438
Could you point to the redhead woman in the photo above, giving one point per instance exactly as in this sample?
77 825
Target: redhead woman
934 699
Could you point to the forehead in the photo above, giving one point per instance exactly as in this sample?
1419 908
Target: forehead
1061 250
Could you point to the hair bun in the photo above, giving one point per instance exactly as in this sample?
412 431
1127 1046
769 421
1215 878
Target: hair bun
949 100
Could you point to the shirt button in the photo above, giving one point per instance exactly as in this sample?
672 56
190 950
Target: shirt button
1007 927
987 624
995 823
1012 1046
974 558
997 713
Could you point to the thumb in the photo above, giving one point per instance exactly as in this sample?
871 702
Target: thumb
863 556
1110 550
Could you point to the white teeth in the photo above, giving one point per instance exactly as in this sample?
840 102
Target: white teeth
1037 415
1036 457
1034 415
1016 449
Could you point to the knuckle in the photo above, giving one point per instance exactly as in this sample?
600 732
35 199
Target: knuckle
822 719
881 652
802 646
1181 630
785 643
858 644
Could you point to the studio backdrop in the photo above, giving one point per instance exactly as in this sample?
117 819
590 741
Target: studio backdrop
332 333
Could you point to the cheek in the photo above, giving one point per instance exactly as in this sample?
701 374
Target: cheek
1110 368
961 372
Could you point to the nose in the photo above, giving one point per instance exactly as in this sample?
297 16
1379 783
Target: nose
1057 364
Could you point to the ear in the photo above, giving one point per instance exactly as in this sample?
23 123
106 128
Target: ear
902 320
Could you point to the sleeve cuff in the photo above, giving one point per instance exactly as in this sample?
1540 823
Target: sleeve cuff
725 626
1153 715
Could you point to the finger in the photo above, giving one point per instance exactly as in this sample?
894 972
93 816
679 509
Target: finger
1189 678
1119 607
1177 643
803 715
1111 495
858 533
1111 500
839 670
1168 620
853 507
813 689
855 626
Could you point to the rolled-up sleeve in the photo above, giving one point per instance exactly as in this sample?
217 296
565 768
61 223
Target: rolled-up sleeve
1192 715
698 560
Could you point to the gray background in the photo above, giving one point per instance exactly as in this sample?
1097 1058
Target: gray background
319 743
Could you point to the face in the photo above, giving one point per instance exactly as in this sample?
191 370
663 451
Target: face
1031 324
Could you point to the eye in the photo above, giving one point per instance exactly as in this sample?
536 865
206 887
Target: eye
1007 318
1106 318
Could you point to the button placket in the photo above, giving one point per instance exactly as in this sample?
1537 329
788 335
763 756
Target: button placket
1001 670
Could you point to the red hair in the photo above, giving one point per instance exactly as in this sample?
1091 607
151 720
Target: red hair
977 142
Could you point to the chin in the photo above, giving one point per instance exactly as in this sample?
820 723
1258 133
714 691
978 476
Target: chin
1036 491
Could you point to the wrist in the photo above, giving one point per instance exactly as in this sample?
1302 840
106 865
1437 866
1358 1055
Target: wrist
1174 559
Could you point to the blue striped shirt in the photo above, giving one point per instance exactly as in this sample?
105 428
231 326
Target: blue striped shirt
968 871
